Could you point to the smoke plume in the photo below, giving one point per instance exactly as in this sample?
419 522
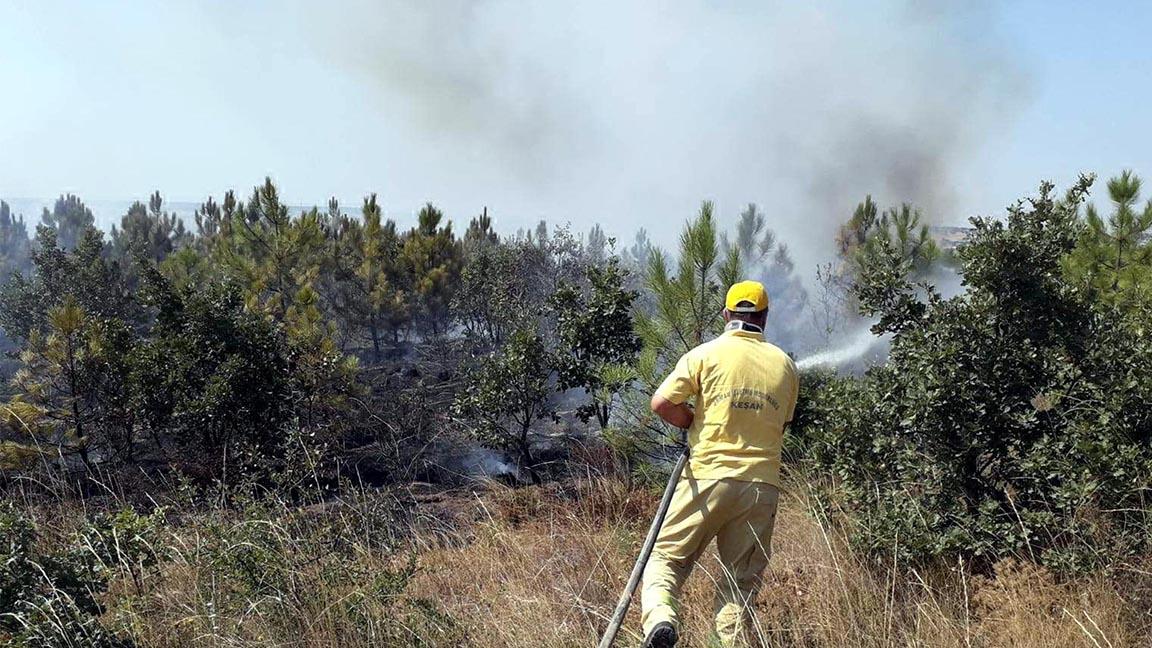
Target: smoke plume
630 114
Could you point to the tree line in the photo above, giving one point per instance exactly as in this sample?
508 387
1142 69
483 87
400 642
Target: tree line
255 343
257 335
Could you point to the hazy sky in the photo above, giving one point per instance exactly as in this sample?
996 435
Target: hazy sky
627 114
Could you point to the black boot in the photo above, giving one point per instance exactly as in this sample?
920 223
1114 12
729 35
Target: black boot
662 636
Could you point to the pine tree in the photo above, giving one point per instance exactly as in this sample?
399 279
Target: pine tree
211 218
763 257
431 258
895 241
688 302
272 255
754 240
82 274
70 218
636 256
1114 257
369 298
684 312
72 389
148 232
15 248
900 228
903 229
480 232
282 263
597 246
197 262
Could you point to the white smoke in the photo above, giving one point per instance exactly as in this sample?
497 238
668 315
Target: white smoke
487 463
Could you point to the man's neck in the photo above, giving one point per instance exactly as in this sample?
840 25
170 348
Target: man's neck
741 325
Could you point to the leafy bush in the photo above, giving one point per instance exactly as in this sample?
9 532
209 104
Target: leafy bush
506 394
1013 419
217 378
595 338
50 598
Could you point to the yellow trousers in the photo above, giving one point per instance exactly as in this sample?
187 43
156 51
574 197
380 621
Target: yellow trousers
740 516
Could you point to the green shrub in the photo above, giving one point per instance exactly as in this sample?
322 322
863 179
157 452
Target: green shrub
50 597
1013 419
276 572
214 379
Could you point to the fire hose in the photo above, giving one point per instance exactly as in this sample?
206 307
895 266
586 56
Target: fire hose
645 553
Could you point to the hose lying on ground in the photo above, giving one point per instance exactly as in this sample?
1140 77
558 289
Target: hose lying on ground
645 552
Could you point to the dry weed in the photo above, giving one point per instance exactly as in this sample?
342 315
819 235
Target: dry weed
492 566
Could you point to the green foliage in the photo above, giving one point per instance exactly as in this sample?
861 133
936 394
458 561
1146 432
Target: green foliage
1009 420
688 302
124 541
215 380
1114 258
51 598
507 285
368 286
286 269
430 256
883 290
146 234
70 219
498 287
236 373
895 229
876 251
79 273
595 336
72 395
270 254
506 394
682 309
15 248
480 232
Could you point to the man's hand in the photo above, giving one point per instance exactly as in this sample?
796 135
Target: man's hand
679 415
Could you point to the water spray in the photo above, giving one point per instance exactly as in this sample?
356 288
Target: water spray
857 346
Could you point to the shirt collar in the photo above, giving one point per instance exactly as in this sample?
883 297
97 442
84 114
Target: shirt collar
743 329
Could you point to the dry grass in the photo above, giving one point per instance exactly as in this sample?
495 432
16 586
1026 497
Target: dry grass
497 566
544 570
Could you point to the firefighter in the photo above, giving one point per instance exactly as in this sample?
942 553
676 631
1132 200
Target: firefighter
743 390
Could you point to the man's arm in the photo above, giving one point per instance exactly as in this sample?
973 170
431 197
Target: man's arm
679 415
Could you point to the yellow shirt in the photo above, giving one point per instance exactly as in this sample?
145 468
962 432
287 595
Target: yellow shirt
745 391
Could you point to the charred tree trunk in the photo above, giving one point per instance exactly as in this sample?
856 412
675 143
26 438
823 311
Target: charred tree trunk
526 460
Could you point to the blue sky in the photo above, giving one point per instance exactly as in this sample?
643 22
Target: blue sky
623 114
1091 84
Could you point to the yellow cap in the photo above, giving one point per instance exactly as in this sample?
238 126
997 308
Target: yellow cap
751 292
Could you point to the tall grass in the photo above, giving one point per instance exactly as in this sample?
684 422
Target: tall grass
488 565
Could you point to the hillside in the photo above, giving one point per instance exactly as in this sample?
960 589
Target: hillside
264 432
